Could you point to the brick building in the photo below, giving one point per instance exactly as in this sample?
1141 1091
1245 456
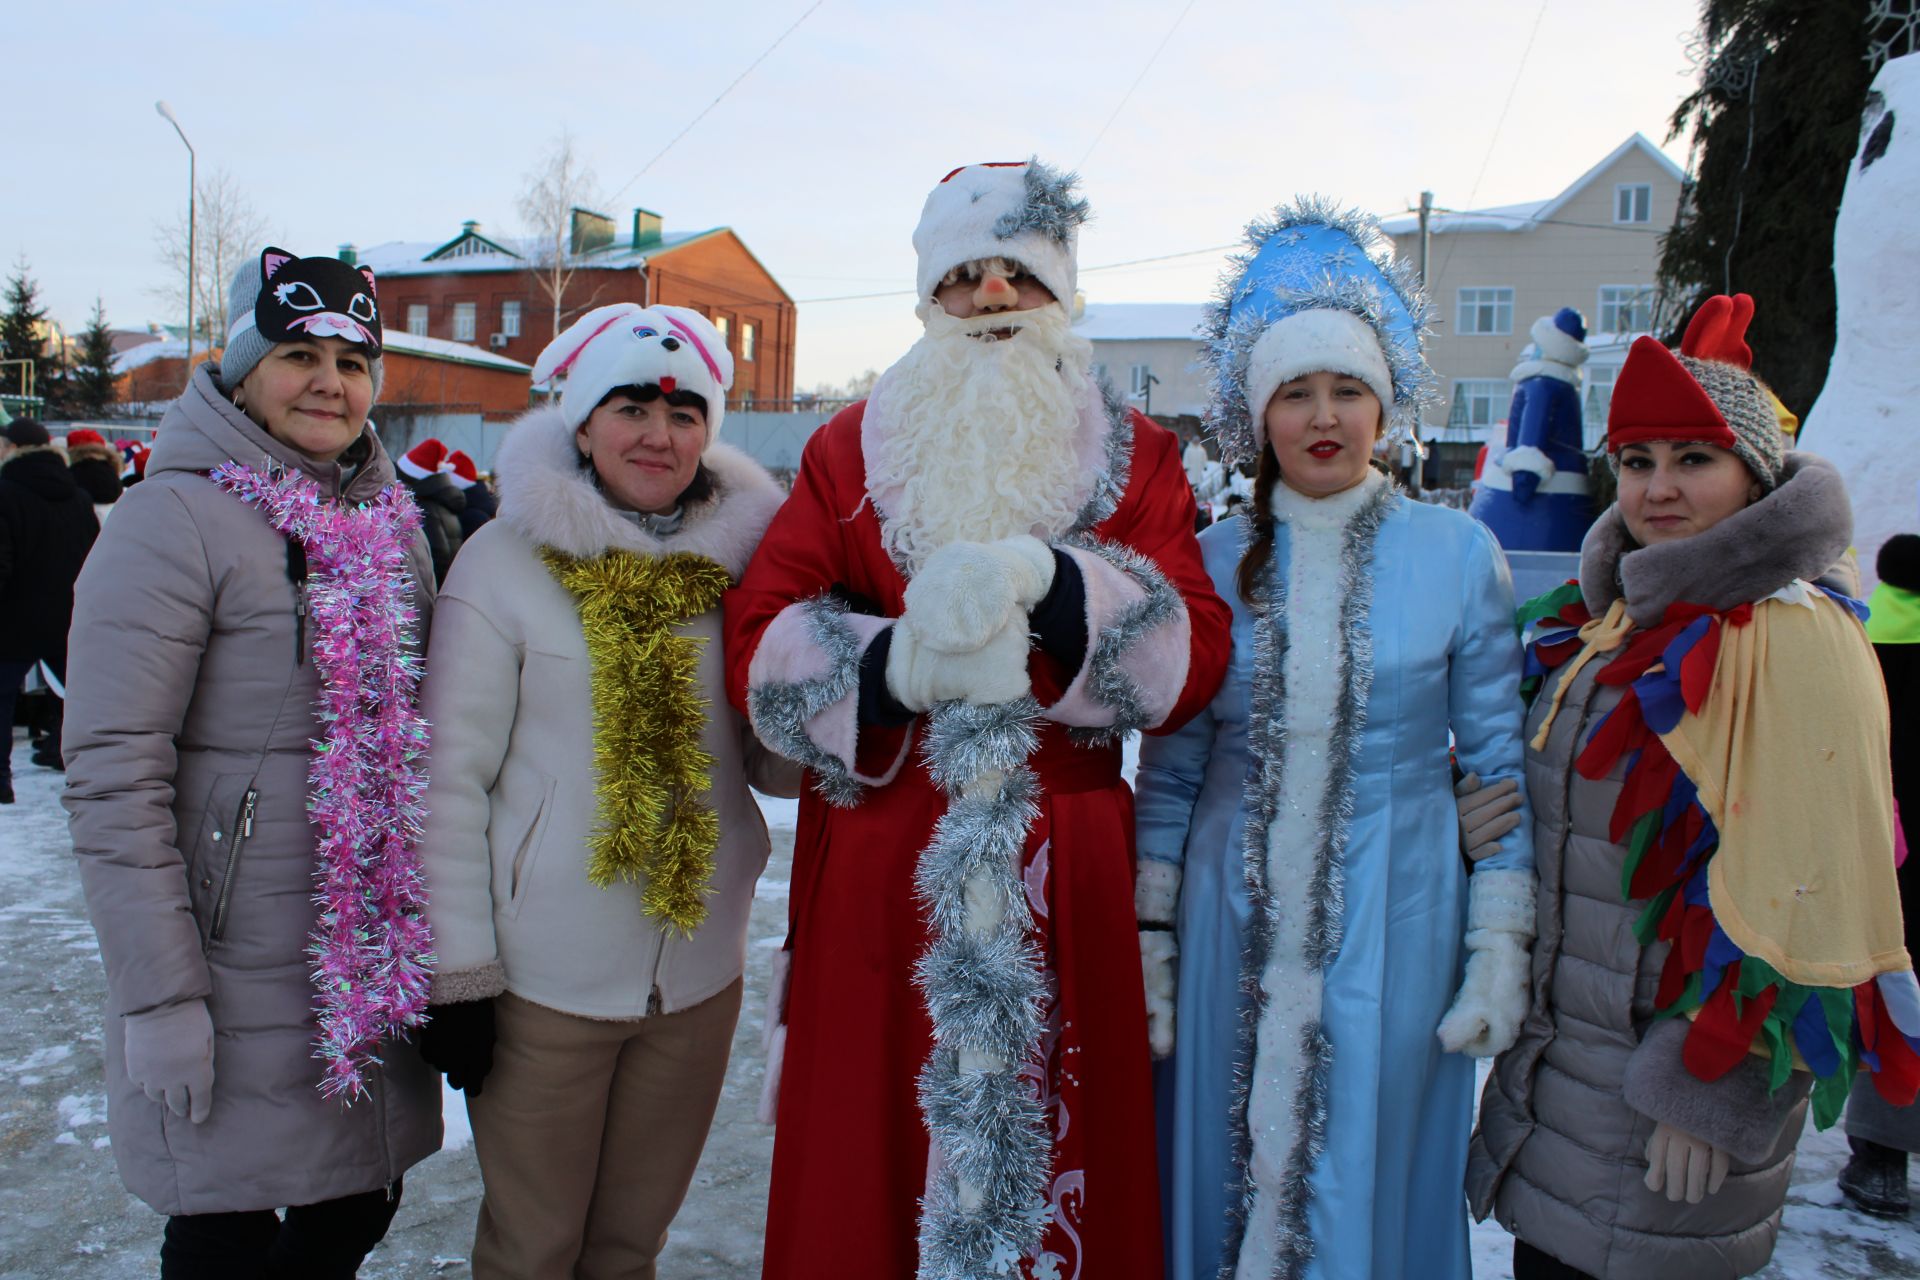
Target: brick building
487 291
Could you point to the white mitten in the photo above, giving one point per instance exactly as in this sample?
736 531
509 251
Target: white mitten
1683 1165
1486 1014
170 1056
1156 893
919 674
1486 814
967 591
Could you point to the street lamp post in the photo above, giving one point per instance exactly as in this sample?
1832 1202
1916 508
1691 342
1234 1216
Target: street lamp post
166 113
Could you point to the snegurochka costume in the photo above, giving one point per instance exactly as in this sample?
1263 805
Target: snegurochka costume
1312 1121
1020 1049
1720 929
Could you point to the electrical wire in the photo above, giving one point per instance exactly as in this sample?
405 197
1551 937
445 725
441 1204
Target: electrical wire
764 54
1128 95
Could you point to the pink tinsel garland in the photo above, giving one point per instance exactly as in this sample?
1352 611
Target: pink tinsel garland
371 948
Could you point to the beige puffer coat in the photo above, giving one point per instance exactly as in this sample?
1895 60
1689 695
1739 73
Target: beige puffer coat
512 800
189 711
1559 1154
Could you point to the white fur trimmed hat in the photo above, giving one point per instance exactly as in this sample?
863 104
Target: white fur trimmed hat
1022 210
1313 292
674 348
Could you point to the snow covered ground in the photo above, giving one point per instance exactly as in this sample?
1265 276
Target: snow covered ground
64 1215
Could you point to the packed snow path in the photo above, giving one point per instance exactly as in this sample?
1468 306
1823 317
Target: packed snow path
64 1214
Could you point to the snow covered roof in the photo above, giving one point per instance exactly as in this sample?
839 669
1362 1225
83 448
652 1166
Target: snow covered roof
1140 321
1522 217
147 352
409 257
414 344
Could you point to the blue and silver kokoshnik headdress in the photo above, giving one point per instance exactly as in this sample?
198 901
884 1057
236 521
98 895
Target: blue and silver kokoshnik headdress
1316 290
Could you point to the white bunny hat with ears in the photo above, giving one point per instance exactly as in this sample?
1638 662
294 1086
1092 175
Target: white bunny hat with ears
674 348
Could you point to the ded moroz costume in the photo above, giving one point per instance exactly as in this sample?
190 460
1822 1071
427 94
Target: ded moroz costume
963 963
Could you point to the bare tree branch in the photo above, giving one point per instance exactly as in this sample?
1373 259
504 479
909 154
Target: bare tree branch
560 183
228 232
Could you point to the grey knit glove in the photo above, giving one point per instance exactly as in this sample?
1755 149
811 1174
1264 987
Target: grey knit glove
170 1056
1156 893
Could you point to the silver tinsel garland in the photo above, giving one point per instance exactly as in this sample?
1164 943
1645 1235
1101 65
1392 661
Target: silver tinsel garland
1321 922
1051 207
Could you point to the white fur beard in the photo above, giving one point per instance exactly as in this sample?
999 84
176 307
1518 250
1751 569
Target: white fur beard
976 435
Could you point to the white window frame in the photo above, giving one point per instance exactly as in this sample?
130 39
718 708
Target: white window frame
1497 393
725 325
1137 384
1596 397
418 317
749 335
466 321
1634 200
1607 309
510 317
1470 302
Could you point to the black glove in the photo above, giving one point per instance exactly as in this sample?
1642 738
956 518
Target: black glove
458 1039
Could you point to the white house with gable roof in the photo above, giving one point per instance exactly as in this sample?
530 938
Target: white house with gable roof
1150 351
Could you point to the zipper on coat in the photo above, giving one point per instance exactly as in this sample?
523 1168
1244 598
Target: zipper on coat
243 828
297 575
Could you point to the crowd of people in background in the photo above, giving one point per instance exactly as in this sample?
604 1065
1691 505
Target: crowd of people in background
379 771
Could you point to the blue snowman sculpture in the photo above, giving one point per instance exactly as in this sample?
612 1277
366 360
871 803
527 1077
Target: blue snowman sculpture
1533 494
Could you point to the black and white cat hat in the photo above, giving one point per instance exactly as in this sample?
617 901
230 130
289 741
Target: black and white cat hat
284 298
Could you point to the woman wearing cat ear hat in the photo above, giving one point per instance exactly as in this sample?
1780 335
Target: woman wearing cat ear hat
243 778
591 846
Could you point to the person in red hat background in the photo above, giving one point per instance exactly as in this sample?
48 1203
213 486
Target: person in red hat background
95 467
986 574
481 504
429 477
1720 943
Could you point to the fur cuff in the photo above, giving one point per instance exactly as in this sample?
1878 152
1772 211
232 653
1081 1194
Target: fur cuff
1501 901
1527 458
1736 1113
483 983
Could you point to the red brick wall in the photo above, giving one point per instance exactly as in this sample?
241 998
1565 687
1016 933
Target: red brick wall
716 276
416 380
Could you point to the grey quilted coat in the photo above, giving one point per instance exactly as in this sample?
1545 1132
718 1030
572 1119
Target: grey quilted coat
1560 1150
188 720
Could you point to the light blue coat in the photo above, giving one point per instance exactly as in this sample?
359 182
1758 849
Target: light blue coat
1388 1198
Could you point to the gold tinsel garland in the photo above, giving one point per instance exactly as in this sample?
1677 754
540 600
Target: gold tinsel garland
648 713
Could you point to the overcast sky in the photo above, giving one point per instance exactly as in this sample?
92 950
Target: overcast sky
396 121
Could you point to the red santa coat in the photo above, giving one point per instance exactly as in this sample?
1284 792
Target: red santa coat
851 1157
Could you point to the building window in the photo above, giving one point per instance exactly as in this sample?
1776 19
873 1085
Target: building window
464 315
1633 202
1139 379
725 325
510 318
746 340
1626 308
1486 311
1099 373
417 319
1599 400
1479 402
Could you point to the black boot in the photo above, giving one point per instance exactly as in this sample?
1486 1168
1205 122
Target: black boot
6 790
1875 1180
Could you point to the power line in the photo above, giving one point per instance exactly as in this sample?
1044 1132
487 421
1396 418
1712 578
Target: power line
716 101
1497 124
1128 95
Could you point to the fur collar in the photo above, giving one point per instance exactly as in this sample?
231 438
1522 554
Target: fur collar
547 497
1800 530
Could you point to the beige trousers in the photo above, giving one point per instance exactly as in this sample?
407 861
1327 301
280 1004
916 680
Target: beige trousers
588 1133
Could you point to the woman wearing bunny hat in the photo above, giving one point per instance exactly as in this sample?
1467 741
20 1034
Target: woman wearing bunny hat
1296 838
591 846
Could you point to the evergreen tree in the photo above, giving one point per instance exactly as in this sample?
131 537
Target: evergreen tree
93 393
1775 123
20 326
